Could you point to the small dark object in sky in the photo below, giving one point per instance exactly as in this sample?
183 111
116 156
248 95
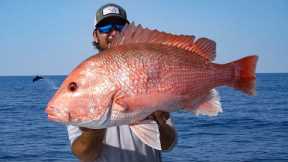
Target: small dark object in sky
36 78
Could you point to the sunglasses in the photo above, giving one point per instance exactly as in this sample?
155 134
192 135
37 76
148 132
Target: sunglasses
109 27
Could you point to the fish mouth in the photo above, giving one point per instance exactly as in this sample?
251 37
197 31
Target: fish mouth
57 114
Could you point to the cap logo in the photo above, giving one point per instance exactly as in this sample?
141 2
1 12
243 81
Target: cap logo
110 9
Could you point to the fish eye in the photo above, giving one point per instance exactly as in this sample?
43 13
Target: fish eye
72 86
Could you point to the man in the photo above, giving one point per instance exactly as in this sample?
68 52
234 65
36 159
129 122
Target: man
117 144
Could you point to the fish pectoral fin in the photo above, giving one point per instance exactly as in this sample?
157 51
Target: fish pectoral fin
120 106
148 132
206 105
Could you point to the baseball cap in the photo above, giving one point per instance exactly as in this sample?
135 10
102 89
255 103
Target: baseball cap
110 12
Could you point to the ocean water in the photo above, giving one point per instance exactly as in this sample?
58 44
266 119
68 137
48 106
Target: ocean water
250 129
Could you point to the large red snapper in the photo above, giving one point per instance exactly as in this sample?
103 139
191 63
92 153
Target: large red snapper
145 71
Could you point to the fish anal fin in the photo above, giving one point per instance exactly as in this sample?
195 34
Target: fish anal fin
206 105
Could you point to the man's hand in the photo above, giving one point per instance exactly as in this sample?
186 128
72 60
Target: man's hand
88 145
93 131
167 133
160 117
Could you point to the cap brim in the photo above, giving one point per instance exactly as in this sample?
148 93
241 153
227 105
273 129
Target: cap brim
112 18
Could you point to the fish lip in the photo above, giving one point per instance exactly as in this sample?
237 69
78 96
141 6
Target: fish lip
52 115
53 118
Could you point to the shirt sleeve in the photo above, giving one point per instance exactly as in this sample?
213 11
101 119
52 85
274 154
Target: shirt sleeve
73 133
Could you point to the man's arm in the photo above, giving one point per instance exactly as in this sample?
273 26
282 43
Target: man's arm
167 132
88 146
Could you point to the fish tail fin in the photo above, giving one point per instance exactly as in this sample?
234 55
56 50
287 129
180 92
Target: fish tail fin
245 74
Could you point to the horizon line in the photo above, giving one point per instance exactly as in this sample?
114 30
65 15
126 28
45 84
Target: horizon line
13 75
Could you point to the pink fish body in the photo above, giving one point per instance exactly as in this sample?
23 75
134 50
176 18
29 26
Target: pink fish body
145 71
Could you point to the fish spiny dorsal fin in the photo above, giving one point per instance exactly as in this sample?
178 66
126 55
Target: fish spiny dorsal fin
132 34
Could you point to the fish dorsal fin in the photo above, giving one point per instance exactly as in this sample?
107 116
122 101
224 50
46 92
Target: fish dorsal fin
206 48
132 34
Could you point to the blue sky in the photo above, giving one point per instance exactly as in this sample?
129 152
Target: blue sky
52 37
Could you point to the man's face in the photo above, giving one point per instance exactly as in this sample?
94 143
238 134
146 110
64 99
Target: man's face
104 39
104 34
